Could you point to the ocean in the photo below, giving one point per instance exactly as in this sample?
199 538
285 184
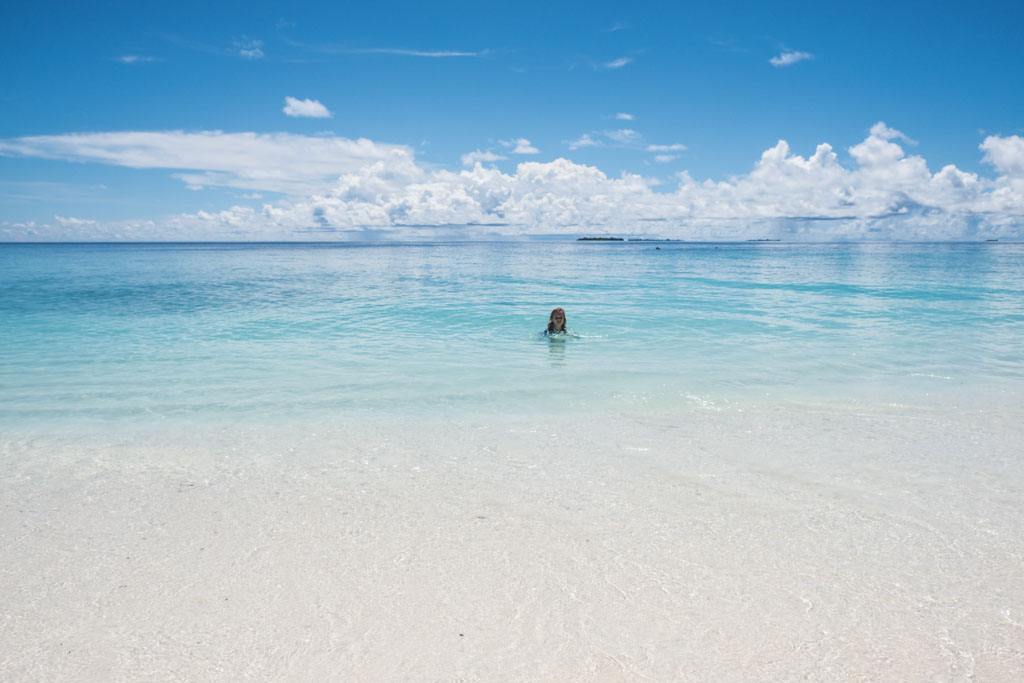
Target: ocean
157 333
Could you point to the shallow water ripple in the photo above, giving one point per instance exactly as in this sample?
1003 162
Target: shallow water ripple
115 332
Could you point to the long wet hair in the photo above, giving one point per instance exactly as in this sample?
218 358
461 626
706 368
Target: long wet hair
551 321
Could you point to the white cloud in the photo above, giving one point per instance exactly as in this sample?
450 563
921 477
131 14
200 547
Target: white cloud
478 156
397 51
1006 154
665 158
72 222
274 162
675 147
435 54
248 49
624 116
789 57
312 109
582 141
623 136
520 146
880 130
884 193
618 63
135 59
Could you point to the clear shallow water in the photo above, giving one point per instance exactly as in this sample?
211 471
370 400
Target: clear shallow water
264 332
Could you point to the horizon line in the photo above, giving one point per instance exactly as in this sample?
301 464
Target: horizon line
572 239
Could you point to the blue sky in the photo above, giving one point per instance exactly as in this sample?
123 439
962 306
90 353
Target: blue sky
441 80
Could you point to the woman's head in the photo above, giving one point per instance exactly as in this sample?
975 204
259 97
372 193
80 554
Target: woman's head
557 321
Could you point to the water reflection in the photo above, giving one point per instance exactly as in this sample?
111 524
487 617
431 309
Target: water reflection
556 352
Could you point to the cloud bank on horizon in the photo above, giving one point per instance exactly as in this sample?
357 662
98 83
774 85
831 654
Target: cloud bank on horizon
399 120
337 188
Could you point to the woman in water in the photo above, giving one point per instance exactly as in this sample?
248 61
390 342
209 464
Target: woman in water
557 323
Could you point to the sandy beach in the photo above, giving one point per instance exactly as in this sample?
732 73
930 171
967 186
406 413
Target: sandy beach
532 341
729 542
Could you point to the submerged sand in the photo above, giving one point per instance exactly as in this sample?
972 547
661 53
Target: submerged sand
713 543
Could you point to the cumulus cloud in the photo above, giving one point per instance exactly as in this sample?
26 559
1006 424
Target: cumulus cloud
520 146
624 116
789 58
1006 154
479 156
618 63
312 109
277 162
665 158
883 193
884 132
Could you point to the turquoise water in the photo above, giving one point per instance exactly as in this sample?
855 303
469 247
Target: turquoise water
257 332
